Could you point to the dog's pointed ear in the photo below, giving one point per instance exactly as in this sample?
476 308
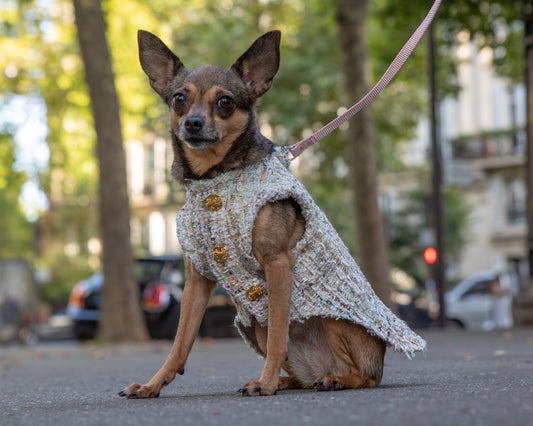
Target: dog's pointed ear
157 61
259 64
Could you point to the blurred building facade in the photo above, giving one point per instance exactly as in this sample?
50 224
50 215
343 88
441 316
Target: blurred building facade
483 149
154 197
484 142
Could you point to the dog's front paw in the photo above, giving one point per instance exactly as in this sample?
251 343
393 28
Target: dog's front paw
256 388
136 390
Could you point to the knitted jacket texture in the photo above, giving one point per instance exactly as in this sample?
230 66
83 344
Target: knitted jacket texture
327 280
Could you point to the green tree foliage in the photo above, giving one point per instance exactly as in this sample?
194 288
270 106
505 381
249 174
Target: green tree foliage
496 24
41 57
493 23
16 235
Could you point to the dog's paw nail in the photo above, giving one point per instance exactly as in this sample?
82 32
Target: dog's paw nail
133 395
315 384
257 389
122 393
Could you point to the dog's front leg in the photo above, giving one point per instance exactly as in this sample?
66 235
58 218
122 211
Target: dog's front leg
276 230
193 304
279 280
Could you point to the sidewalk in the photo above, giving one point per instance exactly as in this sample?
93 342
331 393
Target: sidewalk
464 378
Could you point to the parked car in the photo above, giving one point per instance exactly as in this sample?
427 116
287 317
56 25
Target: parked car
472 303
161 281
57 326
411 304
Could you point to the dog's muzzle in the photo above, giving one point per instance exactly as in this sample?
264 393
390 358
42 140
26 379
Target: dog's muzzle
195 133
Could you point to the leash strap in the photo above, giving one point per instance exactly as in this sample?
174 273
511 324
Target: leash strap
394 67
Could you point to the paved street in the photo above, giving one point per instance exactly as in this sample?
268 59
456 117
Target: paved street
463 379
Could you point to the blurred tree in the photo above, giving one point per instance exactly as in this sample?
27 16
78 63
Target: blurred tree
16 235
497 24
40 56
41 60
122 318
360 147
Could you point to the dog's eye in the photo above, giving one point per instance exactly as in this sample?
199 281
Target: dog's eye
225 103
179 100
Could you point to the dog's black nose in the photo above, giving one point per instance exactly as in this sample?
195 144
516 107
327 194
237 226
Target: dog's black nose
193 124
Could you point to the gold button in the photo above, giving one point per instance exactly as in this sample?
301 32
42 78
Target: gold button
220 254
213 202
254 293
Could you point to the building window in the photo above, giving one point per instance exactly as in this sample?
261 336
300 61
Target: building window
515 201
148 170
157 233
135 168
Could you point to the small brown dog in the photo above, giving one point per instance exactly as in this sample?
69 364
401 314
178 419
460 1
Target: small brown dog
239 212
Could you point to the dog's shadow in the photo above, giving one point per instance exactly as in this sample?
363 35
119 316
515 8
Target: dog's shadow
399 386
236 394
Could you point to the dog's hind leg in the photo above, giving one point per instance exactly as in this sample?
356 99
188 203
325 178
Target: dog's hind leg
289 382
193 304
357 353
260 336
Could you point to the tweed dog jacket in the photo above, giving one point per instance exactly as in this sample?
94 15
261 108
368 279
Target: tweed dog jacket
215 232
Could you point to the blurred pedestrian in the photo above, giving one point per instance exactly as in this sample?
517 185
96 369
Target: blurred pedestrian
501 291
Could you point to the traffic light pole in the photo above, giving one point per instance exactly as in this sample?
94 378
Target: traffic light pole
528 43
437 207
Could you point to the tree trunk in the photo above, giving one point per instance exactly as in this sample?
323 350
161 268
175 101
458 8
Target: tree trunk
360 147
122 318
523 303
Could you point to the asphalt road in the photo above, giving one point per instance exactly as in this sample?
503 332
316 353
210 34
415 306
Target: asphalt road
463 379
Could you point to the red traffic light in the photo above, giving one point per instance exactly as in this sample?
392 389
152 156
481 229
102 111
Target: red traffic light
430 255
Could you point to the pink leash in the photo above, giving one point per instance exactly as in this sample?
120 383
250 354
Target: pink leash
394 67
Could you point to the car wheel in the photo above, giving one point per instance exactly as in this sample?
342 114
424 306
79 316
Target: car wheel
455 324
85 330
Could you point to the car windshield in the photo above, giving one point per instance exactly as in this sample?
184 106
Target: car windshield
481 288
